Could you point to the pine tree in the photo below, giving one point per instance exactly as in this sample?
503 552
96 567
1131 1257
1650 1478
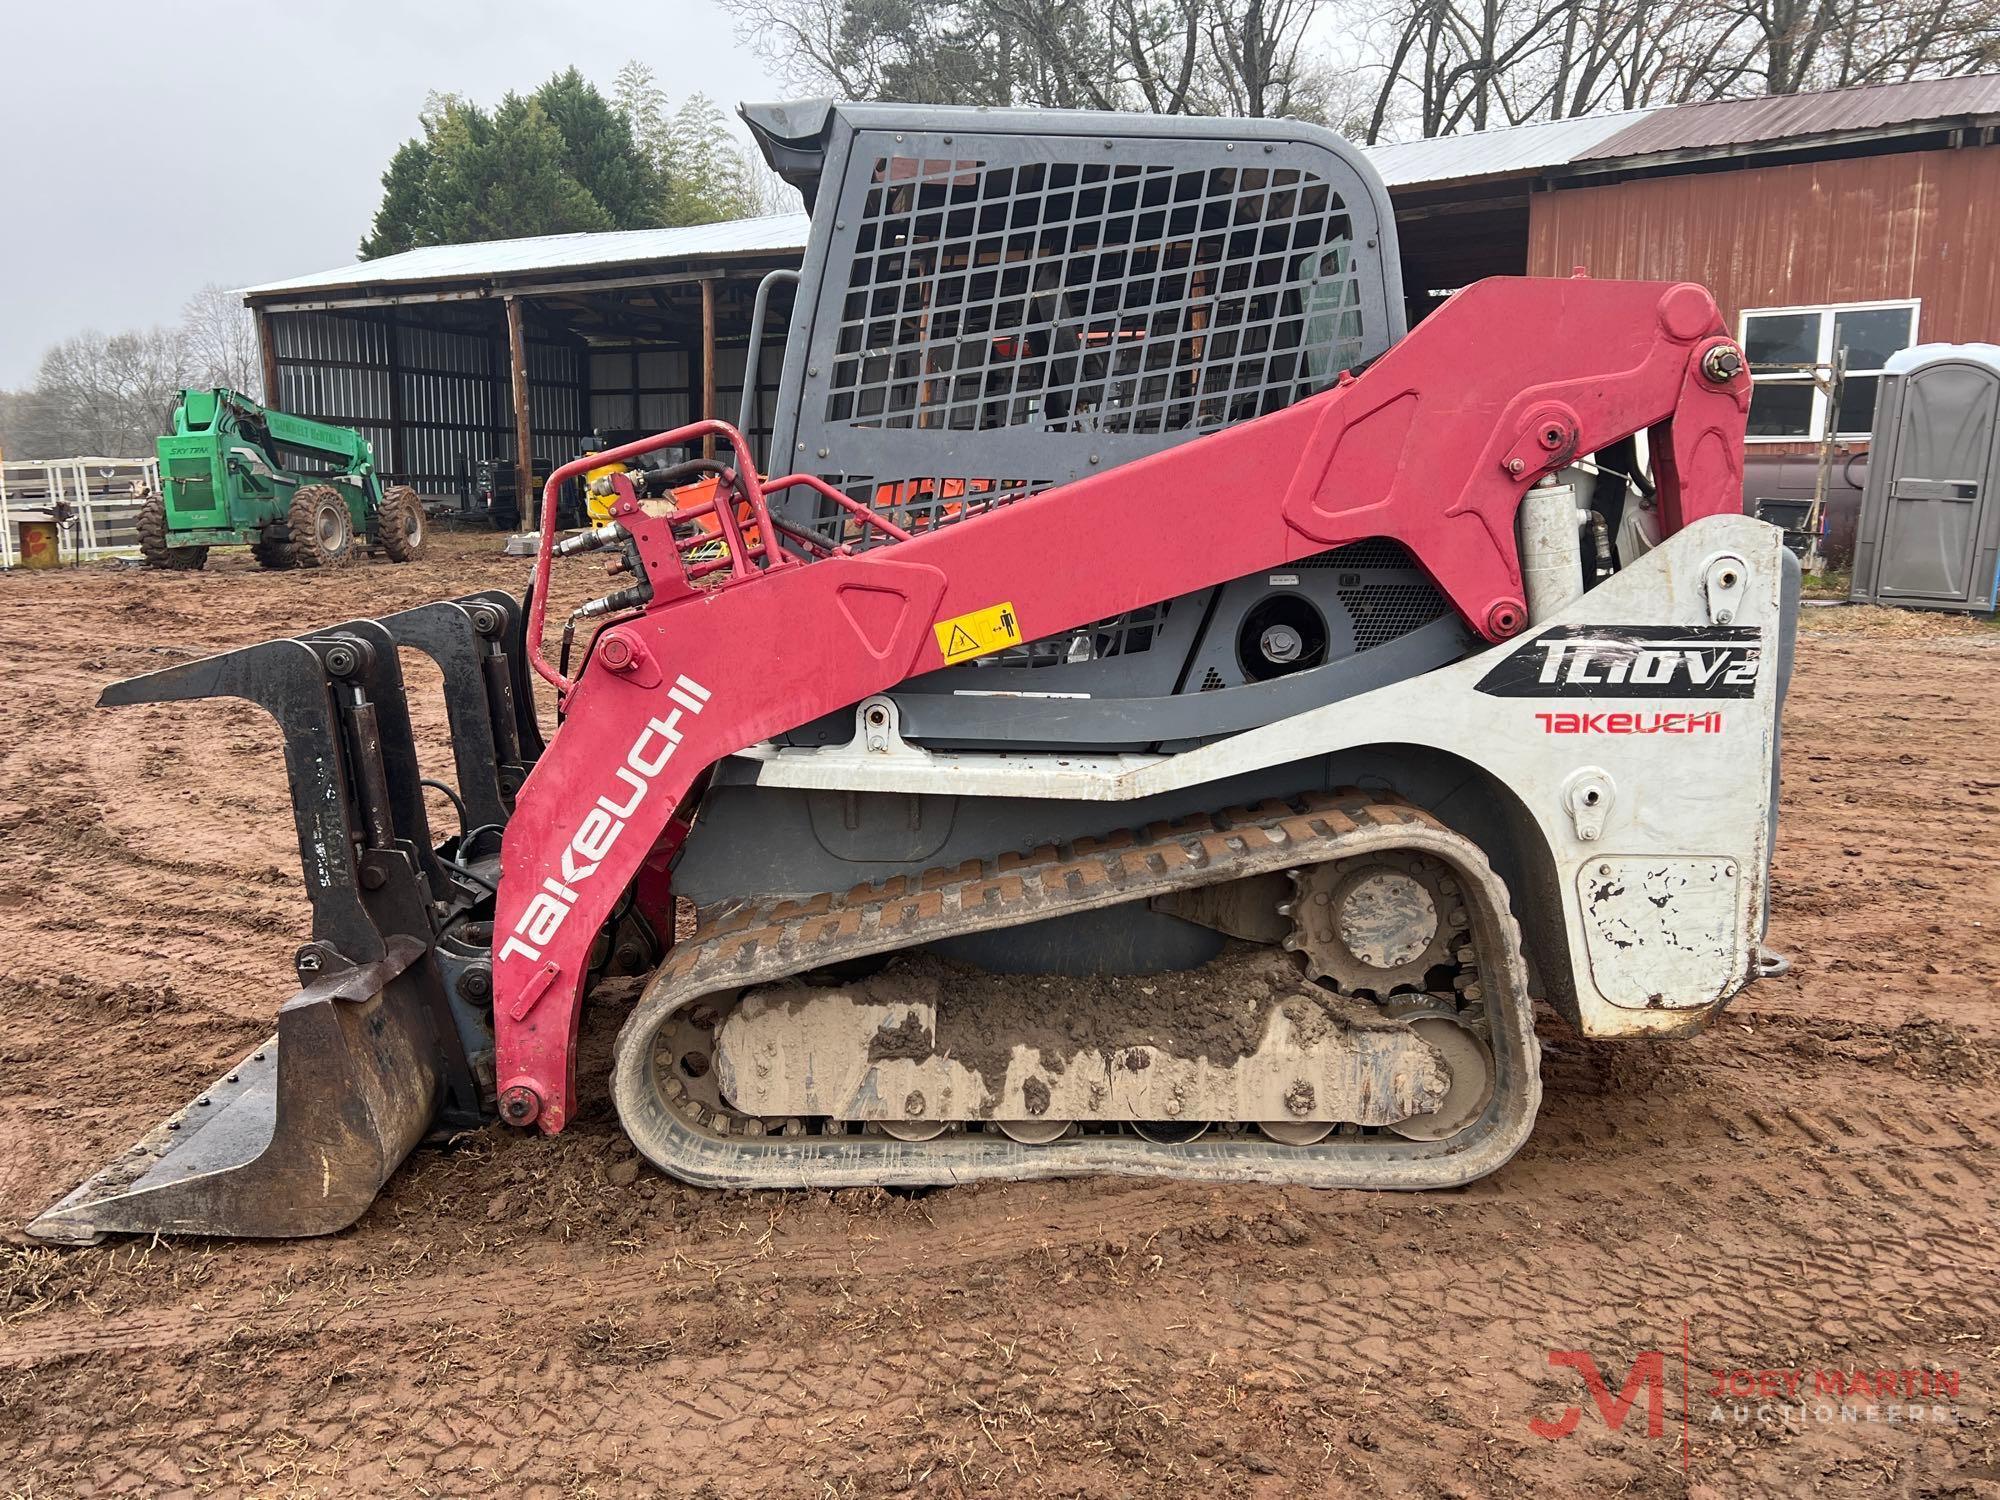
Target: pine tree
557 161
704 173
522 181
599 150
403 193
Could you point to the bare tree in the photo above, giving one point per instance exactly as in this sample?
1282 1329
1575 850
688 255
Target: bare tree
1814 44
113 395
103 396
13 420
221 339
1418 67
766 192
1447 65
1242 57
1260 56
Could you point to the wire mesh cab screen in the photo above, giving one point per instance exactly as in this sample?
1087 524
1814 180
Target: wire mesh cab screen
1000 302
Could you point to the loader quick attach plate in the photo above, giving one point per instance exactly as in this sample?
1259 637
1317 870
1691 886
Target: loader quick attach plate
734 949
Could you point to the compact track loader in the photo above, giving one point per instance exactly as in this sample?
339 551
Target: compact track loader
1161 717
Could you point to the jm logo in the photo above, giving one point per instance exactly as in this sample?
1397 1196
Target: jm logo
1648 1376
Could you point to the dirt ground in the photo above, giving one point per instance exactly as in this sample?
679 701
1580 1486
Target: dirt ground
1809 1187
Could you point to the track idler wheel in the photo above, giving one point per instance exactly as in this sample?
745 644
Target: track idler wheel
1170 1132
1034 1132
913 1130
1297 1132
1466 1057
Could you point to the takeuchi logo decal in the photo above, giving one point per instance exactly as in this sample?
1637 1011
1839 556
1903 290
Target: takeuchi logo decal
602 825
1631 661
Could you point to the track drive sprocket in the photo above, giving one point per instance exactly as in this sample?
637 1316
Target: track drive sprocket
1377 924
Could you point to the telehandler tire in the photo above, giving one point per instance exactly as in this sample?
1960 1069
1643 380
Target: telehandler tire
153 546
322 527
400 524
274 555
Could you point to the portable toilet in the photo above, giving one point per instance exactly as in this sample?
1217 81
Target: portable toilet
1929 533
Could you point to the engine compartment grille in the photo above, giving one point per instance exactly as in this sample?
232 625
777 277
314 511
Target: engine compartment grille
1121 635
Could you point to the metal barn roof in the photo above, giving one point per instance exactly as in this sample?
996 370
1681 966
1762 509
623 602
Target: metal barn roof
558 252
1486 153
1875 108
1497 153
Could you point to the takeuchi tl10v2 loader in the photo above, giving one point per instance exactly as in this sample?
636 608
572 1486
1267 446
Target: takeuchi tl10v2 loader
1160 717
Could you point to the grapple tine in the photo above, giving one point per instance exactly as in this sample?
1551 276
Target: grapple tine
375 686
512 680
297 1138
403 873
447 633
288 680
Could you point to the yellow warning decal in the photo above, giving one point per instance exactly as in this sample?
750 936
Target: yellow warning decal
991 629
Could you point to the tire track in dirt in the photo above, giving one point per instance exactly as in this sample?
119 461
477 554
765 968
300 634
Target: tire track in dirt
1261 1323
1961 1278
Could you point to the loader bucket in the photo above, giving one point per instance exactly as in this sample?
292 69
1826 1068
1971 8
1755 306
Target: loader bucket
297 1138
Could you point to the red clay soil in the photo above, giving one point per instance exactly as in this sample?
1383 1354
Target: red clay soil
1809 1187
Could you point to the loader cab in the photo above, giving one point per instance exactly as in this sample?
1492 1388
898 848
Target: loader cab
995 301
1022 298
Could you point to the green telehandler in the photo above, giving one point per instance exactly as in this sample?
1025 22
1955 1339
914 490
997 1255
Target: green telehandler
223 484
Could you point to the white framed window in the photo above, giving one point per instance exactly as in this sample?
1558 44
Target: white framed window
1788 402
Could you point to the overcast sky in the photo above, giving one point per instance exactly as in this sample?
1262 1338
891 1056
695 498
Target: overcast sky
147 148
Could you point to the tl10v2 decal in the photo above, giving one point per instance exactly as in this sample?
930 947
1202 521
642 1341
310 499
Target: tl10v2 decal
1631 661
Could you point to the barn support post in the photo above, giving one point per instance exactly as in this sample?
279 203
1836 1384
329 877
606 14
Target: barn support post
397 456
708 362
267 353
524 432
